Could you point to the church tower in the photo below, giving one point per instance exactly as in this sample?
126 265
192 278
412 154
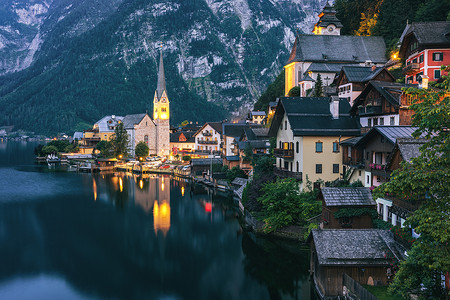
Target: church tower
328 23
161 113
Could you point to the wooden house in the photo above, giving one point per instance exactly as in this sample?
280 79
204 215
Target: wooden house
365 255
340 199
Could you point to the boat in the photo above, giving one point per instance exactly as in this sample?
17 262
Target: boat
53 159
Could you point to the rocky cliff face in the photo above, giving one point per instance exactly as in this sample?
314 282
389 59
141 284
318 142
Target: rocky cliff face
221 51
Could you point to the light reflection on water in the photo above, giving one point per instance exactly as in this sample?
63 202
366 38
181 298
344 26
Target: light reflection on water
124 236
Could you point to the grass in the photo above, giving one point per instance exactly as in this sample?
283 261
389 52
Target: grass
381 292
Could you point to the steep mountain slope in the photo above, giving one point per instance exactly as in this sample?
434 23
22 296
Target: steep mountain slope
99 57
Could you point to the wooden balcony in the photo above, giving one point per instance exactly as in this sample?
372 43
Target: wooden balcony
287 174
283 153
204 142
353 162
411 69
370 110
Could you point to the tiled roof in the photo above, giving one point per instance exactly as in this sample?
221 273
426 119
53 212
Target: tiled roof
356 247
239 181
234 130
410 147
328 67
391 133
351 141
103 123
429 32
130 120
258 113
78 135
309 116
359 73
338 49
261 132
347 196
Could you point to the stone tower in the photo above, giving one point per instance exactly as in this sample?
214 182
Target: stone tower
328 23
161 113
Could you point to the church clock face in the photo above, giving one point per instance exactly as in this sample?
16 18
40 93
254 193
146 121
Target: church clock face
330 29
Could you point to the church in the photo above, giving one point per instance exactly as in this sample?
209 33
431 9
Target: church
155 132
326 51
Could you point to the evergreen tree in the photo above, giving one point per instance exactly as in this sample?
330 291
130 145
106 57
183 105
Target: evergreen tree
294 92
318 87
120 141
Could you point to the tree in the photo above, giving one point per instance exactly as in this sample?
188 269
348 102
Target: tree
120 141
294 92
274 90
184 123
186 158
318 87
141 150
426 179
105 148
49 149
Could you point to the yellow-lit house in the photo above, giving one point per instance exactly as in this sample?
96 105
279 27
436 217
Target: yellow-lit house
103 130
326 51
308 132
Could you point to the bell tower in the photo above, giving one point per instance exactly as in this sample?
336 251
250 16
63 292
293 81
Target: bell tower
328 23
161 113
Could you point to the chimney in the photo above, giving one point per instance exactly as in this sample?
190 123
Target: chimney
374 68
424 84
334 107
113 116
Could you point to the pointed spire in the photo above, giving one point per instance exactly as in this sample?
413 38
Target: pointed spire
161 87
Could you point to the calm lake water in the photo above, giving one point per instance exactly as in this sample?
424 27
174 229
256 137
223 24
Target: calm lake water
65 235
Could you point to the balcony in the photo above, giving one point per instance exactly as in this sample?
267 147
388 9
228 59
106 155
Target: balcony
411 69
283 153
353 162
204 142
370 110
287 174
206 133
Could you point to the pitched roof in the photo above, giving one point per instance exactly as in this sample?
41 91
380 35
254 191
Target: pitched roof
130 120
429 32
328 16
175 137
350 141
261 132
239 181
103 123
360 73
347 196
338 49
217 126
310 116
327 67
391 91
391 133
355 247
234 130
409 147
258 113
161 86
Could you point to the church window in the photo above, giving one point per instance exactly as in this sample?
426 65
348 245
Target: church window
163 109
146 139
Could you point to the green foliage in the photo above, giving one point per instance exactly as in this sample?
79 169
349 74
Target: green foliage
234 173
248 152
294 92
72 148
186 158
120 141
49 149
263 164
355 212
273 91
105 149
184 123
380 224
141 150
318 87
284 205
310 227
426 179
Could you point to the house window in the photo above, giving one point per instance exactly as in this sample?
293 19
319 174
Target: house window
369 122
297 147
392 121
421 59
438 56
367 179
378 158
359 173
335 168
291 167
414 60
298 168
349 151
375 121
285 125
319 147
398 221
367 155
335 147
281 126
437 74
280 144
318 168
381 121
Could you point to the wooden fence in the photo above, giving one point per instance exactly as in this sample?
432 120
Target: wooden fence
355 290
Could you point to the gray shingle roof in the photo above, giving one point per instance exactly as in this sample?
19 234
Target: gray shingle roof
103 123
347 196
328 67
78 135
409 147
261 132
239 181
130 120
355 247
234 130
391 133
309 116
338 49
258 113
351 141
359 73
429 32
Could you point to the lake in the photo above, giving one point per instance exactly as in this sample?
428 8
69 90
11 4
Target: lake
67 235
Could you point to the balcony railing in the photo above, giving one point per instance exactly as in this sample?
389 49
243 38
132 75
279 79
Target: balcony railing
205 142
354 162
287 174
206 133
283 153
411 68
370 110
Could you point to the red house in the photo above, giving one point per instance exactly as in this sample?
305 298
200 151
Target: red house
425 48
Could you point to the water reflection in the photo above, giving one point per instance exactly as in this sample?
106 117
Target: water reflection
124 236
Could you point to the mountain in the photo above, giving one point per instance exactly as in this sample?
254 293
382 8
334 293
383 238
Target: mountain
67 63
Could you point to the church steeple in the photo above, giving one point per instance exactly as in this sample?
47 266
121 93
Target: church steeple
328 23
161 101
161 87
